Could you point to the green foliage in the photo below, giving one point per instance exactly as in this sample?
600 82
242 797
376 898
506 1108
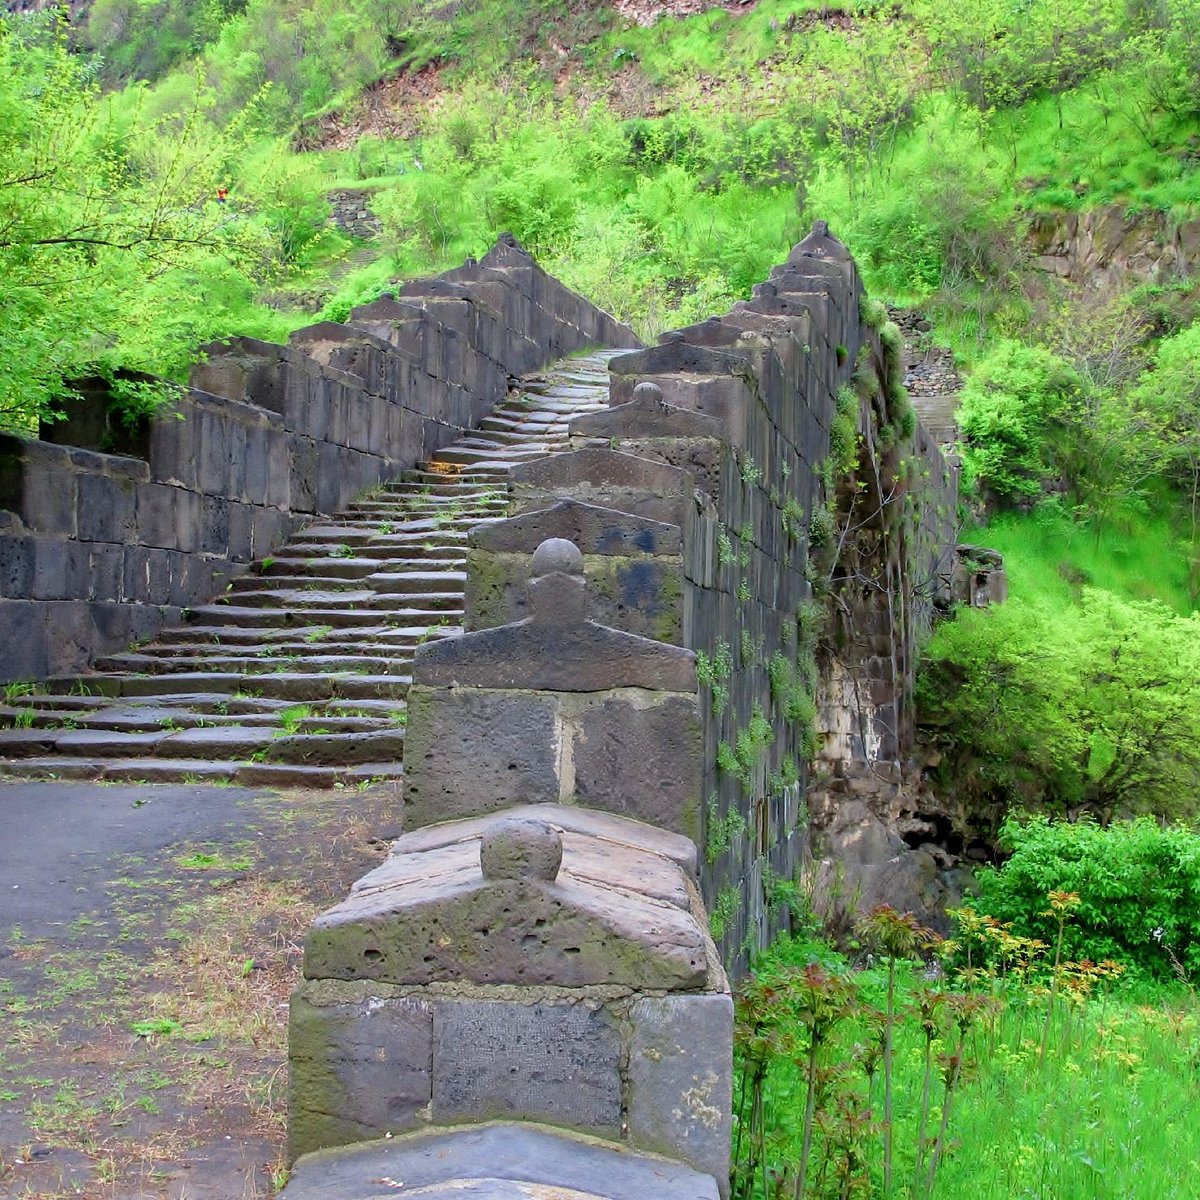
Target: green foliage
713 673
843 433
742 759
724 910
115 254
1138 883
1012 421
721 832
822 528
1092 707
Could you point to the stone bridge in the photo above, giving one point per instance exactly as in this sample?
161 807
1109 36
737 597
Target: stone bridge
640 626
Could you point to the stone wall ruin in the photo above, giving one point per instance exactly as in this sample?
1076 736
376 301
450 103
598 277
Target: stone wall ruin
718 591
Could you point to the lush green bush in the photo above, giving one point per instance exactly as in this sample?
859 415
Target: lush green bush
114 250
1138 884
1069 708
1013 422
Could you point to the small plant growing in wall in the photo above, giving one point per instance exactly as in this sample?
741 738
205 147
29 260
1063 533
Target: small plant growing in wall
725 552
721 832
725 908
713 672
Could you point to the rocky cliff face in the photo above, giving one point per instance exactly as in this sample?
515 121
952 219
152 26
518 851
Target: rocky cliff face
1107 249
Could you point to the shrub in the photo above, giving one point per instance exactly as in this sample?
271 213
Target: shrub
1012 421
1138 883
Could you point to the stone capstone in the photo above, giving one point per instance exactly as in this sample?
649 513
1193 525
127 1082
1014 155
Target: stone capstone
519 901
521 848
494 1162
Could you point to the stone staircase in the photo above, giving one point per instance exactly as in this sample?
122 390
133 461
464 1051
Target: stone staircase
937 414
297 675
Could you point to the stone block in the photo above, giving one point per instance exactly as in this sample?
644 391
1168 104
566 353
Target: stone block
360 1066
214 525
553 1063
642 595
471 751
502 1161
156 516
174 445
548 656
605 478
642 760
17 564
680 1080
25 642
524 903
106 571
43 491
593 529
61 570
106 509
303 467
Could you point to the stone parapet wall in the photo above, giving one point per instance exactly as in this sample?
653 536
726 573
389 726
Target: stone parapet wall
100 550
711 512
537 949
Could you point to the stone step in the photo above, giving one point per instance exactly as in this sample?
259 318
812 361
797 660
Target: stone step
298 674
368 602
182 770
399 643
419 582
338 566
257 664
291 686
185 638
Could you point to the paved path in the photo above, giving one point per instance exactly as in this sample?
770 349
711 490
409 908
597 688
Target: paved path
149 939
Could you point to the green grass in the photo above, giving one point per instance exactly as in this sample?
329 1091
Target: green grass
1138 557
1088 1120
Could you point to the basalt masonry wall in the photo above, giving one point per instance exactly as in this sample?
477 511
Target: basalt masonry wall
760 493
536 948
98 550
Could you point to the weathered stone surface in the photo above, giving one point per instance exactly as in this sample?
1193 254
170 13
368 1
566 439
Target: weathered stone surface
606 478
294 429
503 1162
608 831
648 415
356 1070
593 529
434 916
640 594
679 357
555 650
518 713
680 1080
553 1063
643 762
520 848
473 751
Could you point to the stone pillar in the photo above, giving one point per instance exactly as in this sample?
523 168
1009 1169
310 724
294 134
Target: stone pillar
548 965
554 709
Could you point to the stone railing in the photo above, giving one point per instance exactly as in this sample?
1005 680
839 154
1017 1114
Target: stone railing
542 958
98 550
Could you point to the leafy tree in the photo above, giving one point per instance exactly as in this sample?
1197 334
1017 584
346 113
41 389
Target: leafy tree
1093 708
1169 399
103 215
1013 421
1138 883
